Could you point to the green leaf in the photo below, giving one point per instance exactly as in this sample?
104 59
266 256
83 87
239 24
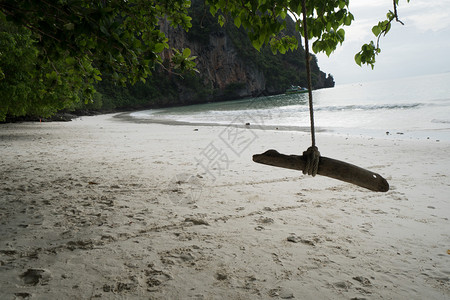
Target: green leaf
256 44
358 59
186 52
69 26
341 33
159 47
316 47
237 22
212 9
376 30
221 20
388 27
348 20
70 60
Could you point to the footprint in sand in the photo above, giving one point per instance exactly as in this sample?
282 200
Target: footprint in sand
36 276
156 277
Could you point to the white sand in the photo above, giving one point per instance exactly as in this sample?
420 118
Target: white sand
101 208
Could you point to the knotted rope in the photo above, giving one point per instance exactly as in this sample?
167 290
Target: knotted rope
312 155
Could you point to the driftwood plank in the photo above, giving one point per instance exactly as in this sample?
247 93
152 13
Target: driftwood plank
327 167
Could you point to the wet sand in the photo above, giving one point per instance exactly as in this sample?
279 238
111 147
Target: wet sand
103 208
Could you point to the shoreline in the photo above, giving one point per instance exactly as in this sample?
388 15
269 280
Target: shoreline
126 117
436 135
102 208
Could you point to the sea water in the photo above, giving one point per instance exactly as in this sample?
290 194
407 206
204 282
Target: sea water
411 108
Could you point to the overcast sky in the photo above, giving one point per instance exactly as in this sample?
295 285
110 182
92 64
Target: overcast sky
420 47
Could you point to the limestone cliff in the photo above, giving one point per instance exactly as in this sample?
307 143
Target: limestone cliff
219 64
230 67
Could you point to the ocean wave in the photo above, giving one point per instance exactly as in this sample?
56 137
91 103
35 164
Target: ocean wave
353 107
440 121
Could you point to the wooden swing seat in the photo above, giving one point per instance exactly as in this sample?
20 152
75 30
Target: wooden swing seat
327 167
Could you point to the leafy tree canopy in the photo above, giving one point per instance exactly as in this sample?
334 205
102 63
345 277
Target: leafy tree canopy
325 19
53 51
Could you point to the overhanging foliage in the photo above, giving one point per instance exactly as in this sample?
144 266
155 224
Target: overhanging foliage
53 52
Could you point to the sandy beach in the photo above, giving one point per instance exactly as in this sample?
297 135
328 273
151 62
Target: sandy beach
104 208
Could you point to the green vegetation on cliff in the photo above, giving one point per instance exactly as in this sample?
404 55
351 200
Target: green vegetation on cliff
165 89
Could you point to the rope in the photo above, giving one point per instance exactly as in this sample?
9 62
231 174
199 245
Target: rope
312 155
